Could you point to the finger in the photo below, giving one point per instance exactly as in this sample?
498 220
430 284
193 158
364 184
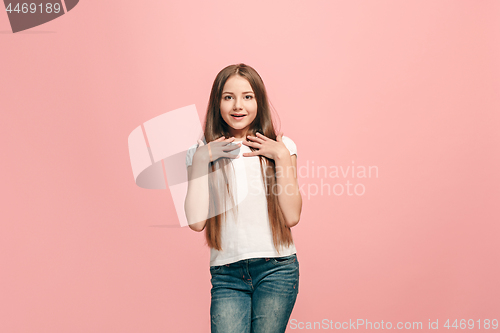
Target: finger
253 144
228 142
231 147
220 139
229 155
231 139
222 144
200 143
254 138
263 137
254 153
279 138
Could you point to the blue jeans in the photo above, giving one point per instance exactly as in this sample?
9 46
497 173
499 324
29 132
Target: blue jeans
254 295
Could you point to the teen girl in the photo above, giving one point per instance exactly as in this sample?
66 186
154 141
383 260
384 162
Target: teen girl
253 260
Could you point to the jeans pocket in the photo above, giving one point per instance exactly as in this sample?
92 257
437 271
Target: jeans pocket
284 260
215 269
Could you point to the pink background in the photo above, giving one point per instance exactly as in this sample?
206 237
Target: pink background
411 87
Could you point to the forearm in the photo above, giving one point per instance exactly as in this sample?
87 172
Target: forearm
287 190
196 204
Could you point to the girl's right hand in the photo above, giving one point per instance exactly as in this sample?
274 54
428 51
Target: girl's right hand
219 147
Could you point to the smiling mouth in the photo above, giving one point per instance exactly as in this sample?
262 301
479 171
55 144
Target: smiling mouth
238 116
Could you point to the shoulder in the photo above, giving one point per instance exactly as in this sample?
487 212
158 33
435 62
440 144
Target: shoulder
290 144
193 147
287 140
191 150
190 153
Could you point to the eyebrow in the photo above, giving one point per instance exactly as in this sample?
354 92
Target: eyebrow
245 92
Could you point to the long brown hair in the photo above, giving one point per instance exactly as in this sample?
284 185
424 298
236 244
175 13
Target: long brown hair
215 127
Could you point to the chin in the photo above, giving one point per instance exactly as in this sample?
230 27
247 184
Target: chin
239 125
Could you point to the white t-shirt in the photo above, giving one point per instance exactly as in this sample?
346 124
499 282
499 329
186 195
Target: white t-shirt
250 236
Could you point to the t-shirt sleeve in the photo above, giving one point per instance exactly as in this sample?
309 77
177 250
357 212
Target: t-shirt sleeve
190 154
290 145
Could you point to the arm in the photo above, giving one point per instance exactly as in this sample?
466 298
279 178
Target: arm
289 196
197 201
197 198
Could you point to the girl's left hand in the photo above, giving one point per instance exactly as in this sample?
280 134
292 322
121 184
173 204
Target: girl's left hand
266 147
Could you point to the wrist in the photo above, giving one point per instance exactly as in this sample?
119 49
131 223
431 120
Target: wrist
201 158
281 156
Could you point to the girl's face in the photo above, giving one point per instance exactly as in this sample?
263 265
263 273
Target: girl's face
238 98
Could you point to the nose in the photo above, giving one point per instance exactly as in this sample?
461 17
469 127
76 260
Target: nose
237 103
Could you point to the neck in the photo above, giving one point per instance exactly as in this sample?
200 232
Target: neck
239 134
